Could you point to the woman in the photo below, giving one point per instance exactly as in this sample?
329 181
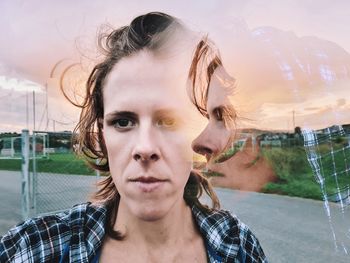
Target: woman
137 125
245 169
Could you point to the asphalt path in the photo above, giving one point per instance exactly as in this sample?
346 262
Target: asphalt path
289 229
56 192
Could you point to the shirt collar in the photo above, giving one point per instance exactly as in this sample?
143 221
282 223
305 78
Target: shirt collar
220 231
218 228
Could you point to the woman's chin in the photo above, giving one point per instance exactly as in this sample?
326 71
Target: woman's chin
149 210
150 214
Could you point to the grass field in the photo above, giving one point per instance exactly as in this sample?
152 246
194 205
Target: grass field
67 163
296 178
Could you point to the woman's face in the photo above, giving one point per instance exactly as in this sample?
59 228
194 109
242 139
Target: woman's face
147 131
218 134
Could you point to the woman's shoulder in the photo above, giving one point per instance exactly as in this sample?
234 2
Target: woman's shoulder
78 215
34 236
228 236
220 221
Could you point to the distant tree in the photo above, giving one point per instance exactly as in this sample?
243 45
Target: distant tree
57 140
17 145
290 135
298 136
9 134
297 130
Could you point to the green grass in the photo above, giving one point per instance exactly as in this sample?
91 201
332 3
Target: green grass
10 164
227 155
65 163
295 176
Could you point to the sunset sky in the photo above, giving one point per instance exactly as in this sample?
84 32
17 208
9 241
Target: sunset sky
287 56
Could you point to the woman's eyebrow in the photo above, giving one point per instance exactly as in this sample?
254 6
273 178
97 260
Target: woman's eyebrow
113 114
167 112
228 108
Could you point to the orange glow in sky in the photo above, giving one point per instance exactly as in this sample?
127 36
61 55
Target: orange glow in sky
288 57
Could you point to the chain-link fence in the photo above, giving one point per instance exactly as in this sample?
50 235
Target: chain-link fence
53 177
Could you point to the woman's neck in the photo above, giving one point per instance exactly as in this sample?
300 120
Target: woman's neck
171 238
176 226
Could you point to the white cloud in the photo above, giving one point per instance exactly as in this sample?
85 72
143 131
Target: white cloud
18 85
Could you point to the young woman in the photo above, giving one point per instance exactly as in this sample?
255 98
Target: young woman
137 124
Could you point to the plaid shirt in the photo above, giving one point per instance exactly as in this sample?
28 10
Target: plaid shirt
77 235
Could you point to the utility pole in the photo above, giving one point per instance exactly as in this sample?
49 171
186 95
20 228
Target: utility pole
293 119
27 112
33 110
47 107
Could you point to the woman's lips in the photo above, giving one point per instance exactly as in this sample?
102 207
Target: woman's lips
147 179
148 184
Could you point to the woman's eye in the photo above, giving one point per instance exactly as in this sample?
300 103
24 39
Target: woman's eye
123 124
166 122
218 113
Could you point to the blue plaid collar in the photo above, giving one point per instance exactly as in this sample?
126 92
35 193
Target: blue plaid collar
220 231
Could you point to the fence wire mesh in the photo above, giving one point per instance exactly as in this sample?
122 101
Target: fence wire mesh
54 178
61 179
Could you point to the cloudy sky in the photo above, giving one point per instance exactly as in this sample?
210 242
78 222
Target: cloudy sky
287 56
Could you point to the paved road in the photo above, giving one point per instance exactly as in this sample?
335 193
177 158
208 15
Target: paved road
289 229
10 199
56 192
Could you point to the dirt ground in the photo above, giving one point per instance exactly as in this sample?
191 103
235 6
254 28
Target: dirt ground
247 170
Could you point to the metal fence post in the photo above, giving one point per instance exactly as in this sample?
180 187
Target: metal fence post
33 177
25 174
12 148
44 145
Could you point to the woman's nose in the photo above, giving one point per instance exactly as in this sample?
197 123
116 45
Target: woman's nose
203 145
145 157
146 146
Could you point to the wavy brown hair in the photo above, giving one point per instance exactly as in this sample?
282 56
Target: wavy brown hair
150 31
